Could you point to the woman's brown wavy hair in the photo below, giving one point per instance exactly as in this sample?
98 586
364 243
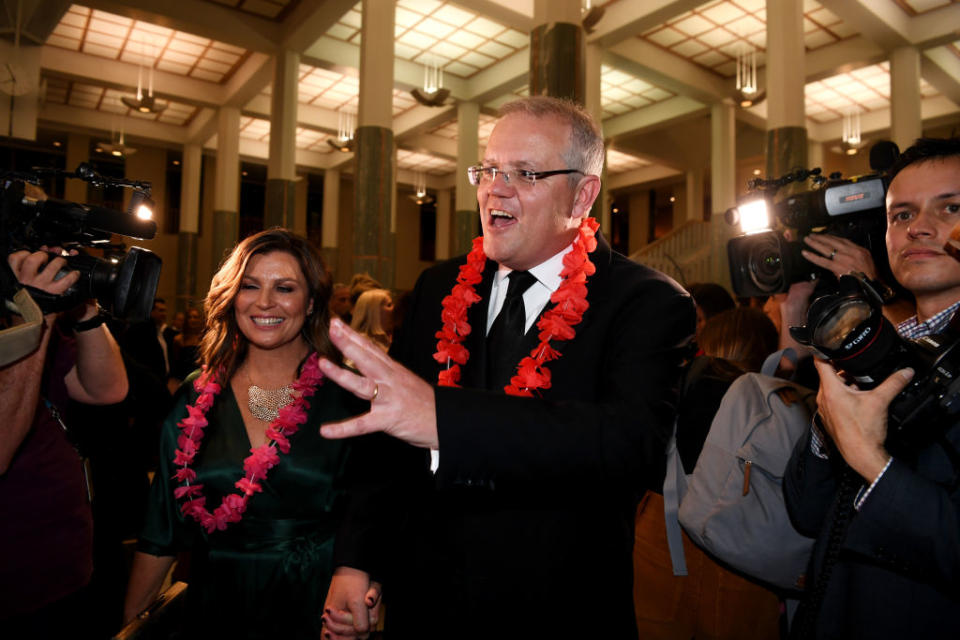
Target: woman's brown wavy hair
223 346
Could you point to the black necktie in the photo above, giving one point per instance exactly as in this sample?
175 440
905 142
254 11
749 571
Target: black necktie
506 333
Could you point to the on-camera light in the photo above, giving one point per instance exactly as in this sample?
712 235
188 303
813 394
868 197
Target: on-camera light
754 216
144 212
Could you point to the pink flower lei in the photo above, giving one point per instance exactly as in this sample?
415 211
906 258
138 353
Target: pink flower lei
255 466
558 323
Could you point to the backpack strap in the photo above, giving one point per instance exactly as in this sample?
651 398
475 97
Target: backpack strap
675 482
674 486
770 365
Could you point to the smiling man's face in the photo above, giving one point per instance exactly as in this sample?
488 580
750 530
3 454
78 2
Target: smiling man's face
524 225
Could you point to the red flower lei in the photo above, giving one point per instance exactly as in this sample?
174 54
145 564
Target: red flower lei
557 323
255 466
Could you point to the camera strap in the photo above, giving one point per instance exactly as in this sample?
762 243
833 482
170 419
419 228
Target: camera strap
22 339
85 468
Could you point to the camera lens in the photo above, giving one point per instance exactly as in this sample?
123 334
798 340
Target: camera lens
838 323
765 264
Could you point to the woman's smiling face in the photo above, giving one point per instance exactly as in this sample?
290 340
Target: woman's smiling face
273 302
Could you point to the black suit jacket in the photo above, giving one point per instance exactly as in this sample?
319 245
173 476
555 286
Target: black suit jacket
531 511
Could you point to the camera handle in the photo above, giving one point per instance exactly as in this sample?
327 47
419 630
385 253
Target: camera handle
22 339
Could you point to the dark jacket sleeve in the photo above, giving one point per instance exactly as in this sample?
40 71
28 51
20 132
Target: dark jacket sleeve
809 486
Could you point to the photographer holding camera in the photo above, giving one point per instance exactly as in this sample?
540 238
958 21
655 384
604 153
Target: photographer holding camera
887 516
46 537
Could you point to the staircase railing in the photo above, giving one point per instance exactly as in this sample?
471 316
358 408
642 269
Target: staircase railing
683 254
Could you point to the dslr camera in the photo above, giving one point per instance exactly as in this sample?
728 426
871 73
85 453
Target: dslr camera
847 327
124 284
763 262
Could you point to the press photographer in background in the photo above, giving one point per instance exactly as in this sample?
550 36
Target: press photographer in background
46 536
885 514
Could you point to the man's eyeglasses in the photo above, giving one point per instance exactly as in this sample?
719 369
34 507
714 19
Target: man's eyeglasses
479 174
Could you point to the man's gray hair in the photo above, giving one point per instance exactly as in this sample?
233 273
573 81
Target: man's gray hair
585 152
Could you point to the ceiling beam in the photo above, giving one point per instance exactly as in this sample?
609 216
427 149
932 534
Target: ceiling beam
667 70
500 13
202 126
879 120
249 80
37 19
622 20
430 144
640 176
504 77
94 70
840 57
310 18
941 68
99 122
201 18
888 32
647 118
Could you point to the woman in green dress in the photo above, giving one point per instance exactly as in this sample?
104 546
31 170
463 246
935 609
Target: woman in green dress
246 484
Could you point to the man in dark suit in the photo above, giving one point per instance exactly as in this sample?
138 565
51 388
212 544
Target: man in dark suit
519 521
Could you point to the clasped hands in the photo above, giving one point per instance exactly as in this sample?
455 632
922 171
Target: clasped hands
402 405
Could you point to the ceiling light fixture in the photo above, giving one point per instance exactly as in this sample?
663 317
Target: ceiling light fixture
117 147
420 195
433 94
591 16
748 92
851 138
344 141
144 103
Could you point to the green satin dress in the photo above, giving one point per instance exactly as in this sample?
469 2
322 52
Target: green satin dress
267 575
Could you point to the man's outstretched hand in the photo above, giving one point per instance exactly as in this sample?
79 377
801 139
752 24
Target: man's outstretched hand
401 403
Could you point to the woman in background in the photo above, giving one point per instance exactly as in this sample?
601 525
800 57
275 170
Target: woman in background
246 484
373 317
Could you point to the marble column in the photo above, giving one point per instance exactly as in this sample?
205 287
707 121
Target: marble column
557 50
331 218
18 114
723 188
594 106
188 239
442 242
694 195
786 127
906 122
468 153
78 150
374 190
279 203
226 209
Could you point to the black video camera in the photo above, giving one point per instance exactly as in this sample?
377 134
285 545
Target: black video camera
848 328
124 285
763 262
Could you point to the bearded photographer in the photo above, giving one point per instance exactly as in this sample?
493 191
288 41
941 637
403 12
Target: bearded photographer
887 518
46 536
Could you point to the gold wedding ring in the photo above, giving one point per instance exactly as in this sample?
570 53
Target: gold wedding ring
376 392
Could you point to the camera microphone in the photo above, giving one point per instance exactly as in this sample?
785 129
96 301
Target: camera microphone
883 155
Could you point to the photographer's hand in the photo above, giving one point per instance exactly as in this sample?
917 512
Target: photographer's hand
99 376
838 255
856 420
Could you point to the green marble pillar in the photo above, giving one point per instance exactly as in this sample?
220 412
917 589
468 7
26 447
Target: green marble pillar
786 150
557 57
464 231
187 242
226 230
372 199
279 203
